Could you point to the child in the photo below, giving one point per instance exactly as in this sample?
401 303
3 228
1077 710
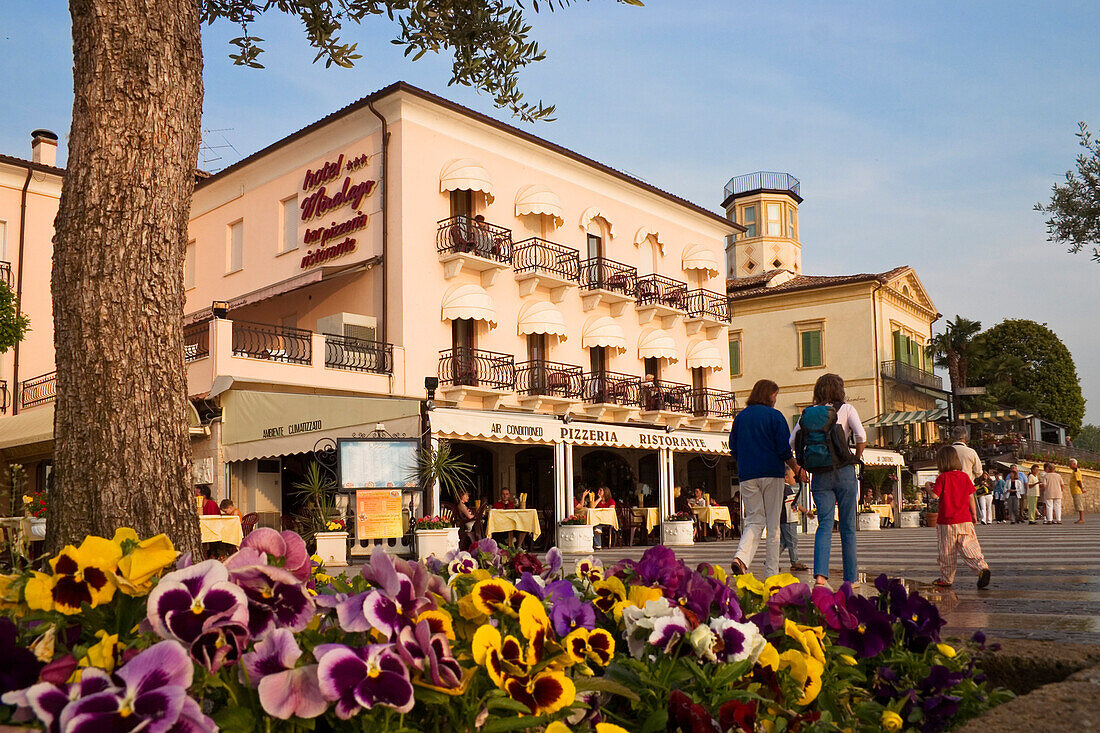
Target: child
956 519
788 528
228 509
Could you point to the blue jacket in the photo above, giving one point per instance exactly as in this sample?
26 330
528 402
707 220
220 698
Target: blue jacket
760 441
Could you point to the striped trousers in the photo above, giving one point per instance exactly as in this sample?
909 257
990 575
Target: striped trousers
955 540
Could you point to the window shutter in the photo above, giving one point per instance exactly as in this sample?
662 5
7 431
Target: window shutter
811 349
735 356
899 347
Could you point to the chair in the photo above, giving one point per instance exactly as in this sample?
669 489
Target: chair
735 515
460 241
629 525
723 531
248 522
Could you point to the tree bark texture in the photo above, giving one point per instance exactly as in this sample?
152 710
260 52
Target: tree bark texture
122 451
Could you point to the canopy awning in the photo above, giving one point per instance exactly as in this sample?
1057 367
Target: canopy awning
27 428
990 416
463 174
700 257
645 233
541 317
657 344
593 213
882 457
906 418
469 301
269 424
703 354
602 331
539 199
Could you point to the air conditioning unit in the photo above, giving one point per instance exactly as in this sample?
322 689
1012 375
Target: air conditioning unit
349 324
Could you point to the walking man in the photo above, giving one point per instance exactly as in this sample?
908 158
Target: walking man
1015 487
1077 490
971 463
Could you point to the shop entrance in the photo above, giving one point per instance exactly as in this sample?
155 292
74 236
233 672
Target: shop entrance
702 474
482 464
535 476
607 468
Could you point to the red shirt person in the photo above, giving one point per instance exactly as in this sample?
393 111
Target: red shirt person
209 506
606 501
954 490
506 501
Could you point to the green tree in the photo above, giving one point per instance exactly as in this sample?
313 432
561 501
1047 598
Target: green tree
1088 438
1023 364
13 323
1074 206
953 349
122 452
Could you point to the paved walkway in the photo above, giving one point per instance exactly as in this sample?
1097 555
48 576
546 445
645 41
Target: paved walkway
1046 579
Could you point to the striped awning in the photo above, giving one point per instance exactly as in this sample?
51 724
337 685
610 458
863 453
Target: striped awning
990 416
906 418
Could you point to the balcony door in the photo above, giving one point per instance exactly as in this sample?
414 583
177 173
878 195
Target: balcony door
538 353
598 387
698 390
596 273
464 346
462 203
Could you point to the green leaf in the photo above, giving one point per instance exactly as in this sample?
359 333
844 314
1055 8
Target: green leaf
603 684
517 723
232 719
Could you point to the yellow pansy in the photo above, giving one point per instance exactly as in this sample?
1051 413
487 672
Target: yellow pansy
583 645
775 582
946 649
891 721
39 592
610 592
638 595
469 610
808 637
102 653
9 592
747 582
439 620
544 693
142 561
806 671
557 727
610 728
769 657
490 596
532 617
43 647
82 574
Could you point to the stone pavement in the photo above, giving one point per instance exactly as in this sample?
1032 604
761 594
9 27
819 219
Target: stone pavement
1046 579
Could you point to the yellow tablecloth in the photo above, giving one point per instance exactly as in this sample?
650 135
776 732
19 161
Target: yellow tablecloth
886 511
606 516
221 529
708 515
513 520
652 516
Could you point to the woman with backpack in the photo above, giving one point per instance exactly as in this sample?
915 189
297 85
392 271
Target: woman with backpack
820 441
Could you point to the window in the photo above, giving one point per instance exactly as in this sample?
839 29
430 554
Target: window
748 219
288 236
536 347
595 246
792 232
234 260
735 356
653 367
189 266
908 350
811 347
597 356
775 220
464 333
698 378
462 203
3 240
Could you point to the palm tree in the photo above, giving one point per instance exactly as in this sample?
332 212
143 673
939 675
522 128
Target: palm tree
448 469
952 349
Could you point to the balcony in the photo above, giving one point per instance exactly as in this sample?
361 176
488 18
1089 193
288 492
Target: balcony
899 371
610 394
3 396
706 309
660 296
712 409
607 281
553 266
358 355
486 375
269 354
38 391
664 402
548 384
762 181
476 246
5 272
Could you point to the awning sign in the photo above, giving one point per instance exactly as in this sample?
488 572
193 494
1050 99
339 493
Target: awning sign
378 514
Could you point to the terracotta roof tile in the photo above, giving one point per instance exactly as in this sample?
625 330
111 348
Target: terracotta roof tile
756 286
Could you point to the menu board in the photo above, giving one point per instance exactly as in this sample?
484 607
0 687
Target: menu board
378 463
378 514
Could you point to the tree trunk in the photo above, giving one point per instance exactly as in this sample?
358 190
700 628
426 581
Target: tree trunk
122 451
953 375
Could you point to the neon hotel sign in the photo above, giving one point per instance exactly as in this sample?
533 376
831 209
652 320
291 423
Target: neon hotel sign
331 240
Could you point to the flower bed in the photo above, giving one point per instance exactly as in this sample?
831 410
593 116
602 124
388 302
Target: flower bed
120 634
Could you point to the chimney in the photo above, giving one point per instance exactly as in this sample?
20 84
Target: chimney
44 147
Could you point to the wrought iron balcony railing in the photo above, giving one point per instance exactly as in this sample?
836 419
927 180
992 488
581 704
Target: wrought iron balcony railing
902 372
3 396
274 343
358 355
549 378
604 274
469 236
761 181
5 272
706 402
656 394
538 255
196 341
38 391
610 387
703 303
465 367
661 290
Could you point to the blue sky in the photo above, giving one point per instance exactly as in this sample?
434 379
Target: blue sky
922 133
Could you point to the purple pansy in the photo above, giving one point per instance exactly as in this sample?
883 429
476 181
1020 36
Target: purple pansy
284 550
736 641
873 631
431 654
384 568
461 563
362 678
219 645
276 599
571 613
21 667
834 606
188 602
284 690
553 591
553 562
276 652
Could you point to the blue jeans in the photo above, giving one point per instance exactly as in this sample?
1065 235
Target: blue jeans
835 489
788 540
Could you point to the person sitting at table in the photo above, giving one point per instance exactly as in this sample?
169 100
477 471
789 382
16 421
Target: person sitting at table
209 506
604 500
582 500
228 509
505 501
510 538
697 499
466 516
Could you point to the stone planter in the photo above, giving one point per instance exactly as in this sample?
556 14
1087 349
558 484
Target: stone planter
871 522
931 519
38 529
677 534
436 542
909 519
575 538
333 548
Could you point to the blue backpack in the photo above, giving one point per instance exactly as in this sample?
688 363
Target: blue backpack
820 444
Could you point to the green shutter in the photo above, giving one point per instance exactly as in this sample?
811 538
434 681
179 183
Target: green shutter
811 349
899 346
735 356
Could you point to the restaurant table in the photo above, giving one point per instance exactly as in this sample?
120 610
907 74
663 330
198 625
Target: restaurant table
218 528
513 520
604 515
652 516
885 511
708 515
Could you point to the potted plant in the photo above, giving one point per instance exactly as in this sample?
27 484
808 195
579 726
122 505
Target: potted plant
931 512
869 520
678 530
435 535
320 522
575 534
34 505
910 515
438 465
332 543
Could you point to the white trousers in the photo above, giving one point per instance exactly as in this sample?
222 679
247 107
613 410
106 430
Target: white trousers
763 501
1054 510
985 509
